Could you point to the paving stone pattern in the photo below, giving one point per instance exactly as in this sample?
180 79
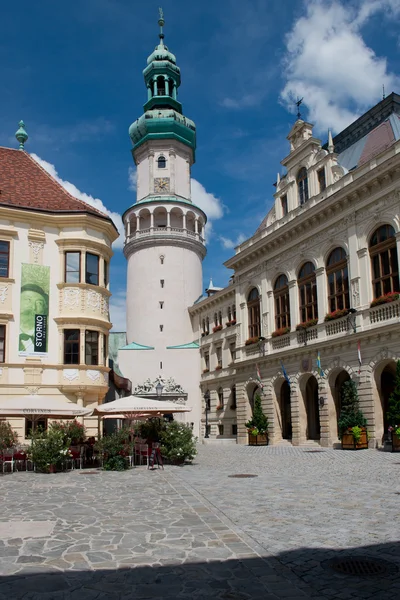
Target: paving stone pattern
193 532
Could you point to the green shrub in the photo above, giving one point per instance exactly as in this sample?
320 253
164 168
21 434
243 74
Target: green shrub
152 429
114 447
258 424
115 463
8 437
72 430
350 414
178 443
49 448
393 414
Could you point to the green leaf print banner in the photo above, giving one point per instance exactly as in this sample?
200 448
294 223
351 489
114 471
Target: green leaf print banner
34 310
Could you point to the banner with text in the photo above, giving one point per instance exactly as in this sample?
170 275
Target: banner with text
34 310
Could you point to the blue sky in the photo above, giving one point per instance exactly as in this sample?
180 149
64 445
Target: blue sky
73 71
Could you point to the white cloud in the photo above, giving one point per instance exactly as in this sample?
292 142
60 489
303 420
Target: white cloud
329 64
229 244
118 310
211 205
132 178
244 101
74 191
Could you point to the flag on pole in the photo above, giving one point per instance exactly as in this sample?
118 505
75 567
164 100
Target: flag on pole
359 356
319 368
258 378
284 373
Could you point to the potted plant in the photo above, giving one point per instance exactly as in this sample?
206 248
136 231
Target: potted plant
385 299
218 367
306 324
336 314
393 414
217 328
49 450
352 423
8 437
280 331
257 426
252 340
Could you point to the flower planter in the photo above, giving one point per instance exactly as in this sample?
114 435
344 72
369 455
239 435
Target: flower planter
52 469
348 442
395 442
258 440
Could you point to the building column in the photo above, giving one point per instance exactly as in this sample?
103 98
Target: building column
326 439
166 80
174 90
298 432
138 223
294 304
151 172
168 219
154 87
79 401
128 228
172 165
242 415
184 221
151 220
361 288
149 92
322 293
196 226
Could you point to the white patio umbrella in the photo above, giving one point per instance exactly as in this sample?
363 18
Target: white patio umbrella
131 406
36 407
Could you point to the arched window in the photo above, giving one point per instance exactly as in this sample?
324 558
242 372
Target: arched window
204 326
215 319
253 307
338 280
384 260
282 305
220 318
234 312
161 162
302 185
307 292
229 314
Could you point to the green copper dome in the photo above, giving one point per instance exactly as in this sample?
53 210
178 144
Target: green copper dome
162 118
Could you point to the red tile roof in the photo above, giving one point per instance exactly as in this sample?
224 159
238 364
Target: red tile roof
25 184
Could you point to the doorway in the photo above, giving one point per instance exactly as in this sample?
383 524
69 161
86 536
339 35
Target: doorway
312 409
286 414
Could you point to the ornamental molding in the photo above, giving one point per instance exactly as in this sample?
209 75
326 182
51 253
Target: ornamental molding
94 300
148 387
3 293
36 247
93 375
70 374
355 292
72 296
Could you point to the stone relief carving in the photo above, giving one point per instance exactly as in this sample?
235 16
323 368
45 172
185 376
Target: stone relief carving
265 324
105 306
93 375
70 374
3 293
355 292
72 296
169 386
36 248
93 300
106 378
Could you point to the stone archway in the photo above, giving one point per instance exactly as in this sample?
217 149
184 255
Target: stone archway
340 379
285 410
311 404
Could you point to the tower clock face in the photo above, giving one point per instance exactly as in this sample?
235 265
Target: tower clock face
161 184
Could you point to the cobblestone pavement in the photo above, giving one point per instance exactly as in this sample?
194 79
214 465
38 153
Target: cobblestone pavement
194 532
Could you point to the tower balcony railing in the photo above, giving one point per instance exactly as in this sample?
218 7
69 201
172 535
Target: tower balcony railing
163 231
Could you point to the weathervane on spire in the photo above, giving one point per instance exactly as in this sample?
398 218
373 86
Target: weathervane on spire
161 24
298 103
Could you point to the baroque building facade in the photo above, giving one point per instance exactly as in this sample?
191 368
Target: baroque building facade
55 253
314 297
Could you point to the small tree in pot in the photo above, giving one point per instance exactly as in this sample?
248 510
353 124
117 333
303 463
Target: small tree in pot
257 426
393 414
352 423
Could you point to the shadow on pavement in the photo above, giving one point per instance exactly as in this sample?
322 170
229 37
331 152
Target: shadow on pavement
303 573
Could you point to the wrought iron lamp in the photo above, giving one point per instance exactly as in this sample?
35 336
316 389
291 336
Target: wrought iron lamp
351 319
207 410
159 389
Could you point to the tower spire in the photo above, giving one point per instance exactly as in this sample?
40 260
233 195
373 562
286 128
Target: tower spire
21 135
161 23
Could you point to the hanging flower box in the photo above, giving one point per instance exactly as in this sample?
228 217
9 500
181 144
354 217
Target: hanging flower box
217 328
218 367
306 324
252 340
231 322
281 331
385 299
336 314
355 438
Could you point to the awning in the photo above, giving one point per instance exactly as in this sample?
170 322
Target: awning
35 407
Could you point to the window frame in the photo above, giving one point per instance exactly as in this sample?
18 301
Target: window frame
29 428
282 303
161 159
3 338
92 344
342 267
106 273
105 349
321 178
79 264
90 274
220 394
284 205
69 343
307 285
377 251
302 186
7 254
254 314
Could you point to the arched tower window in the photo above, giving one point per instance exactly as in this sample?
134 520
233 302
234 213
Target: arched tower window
282 304
160 86
302 185
161 162
384 261
307 292
338 280
253 307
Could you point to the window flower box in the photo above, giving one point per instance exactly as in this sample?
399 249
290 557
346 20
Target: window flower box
385 299
252 340
217 328
336 314
218 367
206 370
231 322
281 331
306 324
